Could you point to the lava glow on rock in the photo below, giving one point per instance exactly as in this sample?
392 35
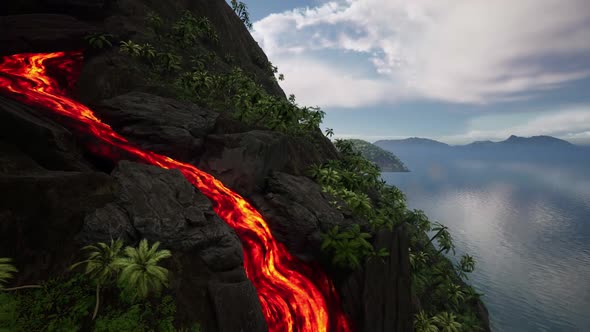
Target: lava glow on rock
294 295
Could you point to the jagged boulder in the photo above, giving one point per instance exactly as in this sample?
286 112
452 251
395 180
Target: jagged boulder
297 212
244 160
163 125
161 205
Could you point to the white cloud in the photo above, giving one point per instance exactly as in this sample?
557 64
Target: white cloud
471 51
320 83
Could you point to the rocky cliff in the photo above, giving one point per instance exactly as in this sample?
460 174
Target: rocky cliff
58 196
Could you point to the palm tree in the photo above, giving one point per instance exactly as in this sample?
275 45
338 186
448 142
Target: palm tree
418 259
447 322
99 40
101 266
467 263
423 323
140 272
438 228
130 48
455 294
445 242
7 270
328 175
329 132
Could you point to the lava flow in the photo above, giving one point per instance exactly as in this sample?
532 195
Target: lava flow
294 296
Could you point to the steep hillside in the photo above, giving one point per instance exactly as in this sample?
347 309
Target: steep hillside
170 127
386 161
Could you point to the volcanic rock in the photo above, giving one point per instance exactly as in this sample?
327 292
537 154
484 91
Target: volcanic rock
297 212
378 296
161 205
243 161
43 140
42 33
158 124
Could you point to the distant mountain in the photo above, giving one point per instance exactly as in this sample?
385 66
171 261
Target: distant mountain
412 142
386 160
415 150
513 140
544 141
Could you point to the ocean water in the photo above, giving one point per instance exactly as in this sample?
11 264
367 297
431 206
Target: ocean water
528 226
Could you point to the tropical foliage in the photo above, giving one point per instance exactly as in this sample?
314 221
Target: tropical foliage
424 323
188 29
348 247
241 10
137 271
65 304
207 86
101 265
250 102
140 272
7 271
353 183
99 40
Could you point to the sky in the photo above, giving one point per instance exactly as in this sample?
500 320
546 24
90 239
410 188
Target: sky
452 70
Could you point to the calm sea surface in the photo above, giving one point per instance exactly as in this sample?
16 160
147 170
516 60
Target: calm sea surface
528 226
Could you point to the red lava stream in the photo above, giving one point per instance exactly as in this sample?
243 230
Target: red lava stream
294 296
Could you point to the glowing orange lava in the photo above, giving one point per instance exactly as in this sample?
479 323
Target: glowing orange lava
294 296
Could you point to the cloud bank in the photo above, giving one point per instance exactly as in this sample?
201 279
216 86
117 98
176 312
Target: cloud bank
463 51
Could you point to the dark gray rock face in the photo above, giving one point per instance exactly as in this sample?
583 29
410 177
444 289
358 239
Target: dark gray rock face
242 161
297 212
22 33
158 124
46 142
41 211
378 297
249 319
160 205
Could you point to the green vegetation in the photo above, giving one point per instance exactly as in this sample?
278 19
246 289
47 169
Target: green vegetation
140 273
241 10
101 265
205 82
353 182
189 29
349 246
348 181
7 271
183 56
99 40
386 160
444 296
65 303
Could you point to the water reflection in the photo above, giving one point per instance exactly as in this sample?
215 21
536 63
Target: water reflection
528 227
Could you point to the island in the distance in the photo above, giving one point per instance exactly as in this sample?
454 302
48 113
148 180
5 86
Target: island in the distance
387 161
539 148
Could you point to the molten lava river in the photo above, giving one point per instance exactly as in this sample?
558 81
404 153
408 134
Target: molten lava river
294 296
